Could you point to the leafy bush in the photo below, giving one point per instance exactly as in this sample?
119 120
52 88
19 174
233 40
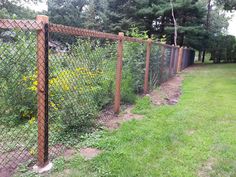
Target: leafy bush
134 59
17 67
155 66
81 83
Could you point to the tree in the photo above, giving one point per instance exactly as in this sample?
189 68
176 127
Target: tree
223 49
207 26
175 23
228 4
122 15
94 15
66 12
156 17
189 16
15 9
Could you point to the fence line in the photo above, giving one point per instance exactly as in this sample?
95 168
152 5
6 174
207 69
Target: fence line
160 62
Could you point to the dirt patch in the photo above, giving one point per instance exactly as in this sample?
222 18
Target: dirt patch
112 121
168 93
11 160
128 115
61 150
68 154
89 153
207 168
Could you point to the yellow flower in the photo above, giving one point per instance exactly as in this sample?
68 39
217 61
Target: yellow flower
53 106
24 78
32 120
33 88
65 87
52 81
35 83
32 151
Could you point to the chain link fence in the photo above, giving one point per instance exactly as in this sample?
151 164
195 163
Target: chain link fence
133 70
81 80
18 94
56 80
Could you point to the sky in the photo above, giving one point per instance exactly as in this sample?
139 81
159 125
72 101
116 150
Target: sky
43 6
37 7
232 25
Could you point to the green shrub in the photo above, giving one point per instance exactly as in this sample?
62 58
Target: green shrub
134 59
81 83
18 87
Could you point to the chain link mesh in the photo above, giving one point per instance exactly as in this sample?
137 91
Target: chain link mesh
166 65
18 94
155 66
133 71
81 84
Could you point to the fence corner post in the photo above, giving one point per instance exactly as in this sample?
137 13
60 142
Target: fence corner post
42 94
118 73
180 57
148 52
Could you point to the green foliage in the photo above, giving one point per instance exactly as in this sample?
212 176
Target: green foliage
228 4
196 23
155 66
82 82
66 12
94 15
223 49
133 67
14 9
18 86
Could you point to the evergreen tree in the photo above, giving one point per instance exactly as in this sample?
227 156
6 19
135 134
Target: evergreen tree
67 12
94 15
15 9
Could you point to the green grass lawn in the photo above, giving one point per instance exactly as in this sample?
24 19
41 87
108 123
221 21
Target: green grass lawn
196 137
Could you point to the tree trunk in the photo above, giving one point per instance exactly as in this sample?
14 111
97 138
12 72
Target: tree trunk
175 23
207 27
181 39
203 55
199 55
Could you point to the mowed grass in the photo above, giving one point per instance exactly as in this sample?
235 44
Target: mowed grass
196 137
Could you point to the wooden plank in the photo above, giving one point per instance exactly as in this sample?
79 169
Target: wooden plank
80 32
119 73
146 77
41 68
20 24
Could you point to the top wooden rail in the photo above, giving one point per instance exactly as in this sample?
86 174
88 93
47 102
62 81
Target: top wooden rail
80 32
20 24
34 25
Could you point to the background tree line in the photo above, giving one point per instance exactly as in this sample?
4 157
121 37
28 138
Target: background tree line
200 24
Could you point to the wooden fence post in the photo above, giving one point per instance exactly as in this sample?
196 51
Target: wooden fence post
148 52
172 57
118 73
176 59
163 49
180 57
42 91
189 55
